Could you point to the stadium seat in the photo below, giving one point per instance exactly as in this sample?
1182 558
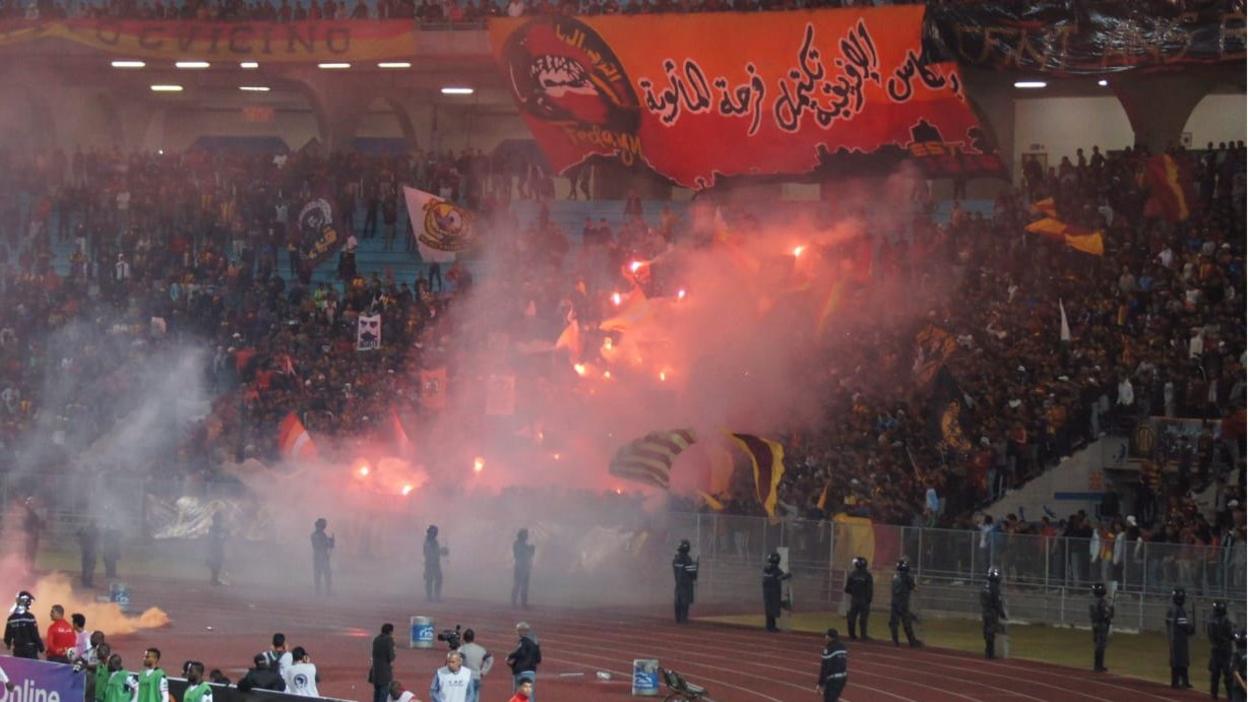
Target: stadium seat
681 689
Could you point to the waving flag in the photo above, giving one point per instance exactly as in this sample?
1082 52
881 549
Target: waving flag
649 459
293 440
442 229
1171 194
767 458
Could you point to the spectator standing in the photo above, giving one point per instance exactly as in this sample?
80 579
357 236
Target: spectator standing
452 682
261 677
322 544
524 659
381 671
83 641
476 659
61 637
301 677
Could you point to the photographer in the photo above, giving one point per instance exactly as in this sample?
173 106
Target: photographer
452 682
476 659
301 677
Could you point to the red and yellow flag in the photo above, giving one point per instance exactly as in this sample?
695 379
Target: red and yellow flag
767 459
1171 195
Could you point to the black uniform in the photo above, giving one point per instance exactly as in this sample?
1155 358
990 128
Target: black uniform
110 551
1178 628
523 552
992 610
772 577
216 550
322 544
834 671
21 635
685 572
1240 664
899 608
1100 614
88 539
1221 652
860 587
433 568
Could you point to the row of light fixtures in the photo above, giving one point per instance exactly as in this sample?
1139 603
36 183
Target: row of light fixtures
1038 84
252 65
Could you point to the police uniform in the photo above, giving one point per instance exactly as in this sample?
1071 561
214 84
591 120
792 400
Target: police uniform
899 614
1240 667
860 587
1221 650
322 544
685 573
834 668
773 576
992 611
21 631
433 565
1178 628
523 552
1100 615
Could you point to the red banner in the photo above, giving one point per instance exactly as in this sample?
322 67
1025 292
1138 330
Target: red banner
701 96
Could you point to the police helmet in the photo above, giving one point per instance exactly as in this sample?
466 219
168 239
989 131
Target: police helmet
523 535
1098 589
1241 638
1219 608
860 563
1179 596
25 599
903 566
432 530
774 559
994 575
684 546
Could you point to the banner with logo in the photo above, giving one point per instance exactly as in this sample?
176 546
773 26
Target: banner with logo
368 333
39 681
316 227
267 42
696 97
441 228
1089 37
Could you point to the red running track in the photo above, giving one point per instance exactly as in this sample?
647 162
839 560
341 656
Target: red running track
225 627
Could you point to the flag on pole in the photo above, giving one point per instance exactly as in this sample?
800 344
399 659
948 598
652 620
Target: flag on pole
649 459
441 228
1171 193
767 458
1065 330
293 440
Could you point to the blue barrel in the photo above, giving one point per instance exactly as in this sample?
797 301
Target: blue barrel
421 633
119 594
645 677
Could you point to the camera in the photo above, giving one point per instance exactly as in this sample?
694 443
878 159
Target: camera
451 637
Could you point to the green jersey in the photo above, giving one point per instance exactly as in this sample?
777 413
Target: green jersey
120 687
200 693
153 686
101 681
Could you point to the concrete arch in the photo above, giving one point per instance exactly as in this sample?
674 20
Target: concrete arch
1218 117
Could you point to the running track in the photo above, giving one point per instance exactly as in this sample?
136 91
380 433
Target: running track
736 664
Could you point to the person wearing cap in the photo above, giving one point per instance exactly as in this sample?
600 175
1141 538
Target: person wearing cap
525 658
322 544
21 631
834 668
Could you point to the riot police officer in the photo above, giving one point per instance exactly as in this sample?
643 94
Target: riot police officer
1221 640
522 551
1100 614
860 587
834 669
899 608
21 631
773 576
1178 628
433 564
992 610
1239 676
685 571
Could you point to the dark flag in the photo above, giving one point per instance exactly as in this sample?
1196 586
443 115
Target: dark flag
649 459
767 459
945 412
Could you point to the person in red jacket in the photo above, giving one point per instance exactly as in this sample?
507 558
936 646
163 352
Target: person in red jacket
61 638
523 692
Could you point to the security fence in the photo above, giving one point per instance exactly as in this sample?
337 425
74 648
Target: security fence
1048 578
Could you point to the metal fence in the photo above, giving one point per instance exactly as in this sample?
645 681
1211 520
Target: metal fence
1049 578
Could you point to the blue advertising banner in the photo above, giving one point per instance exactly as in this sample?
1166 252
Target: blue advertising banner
39 681
645 677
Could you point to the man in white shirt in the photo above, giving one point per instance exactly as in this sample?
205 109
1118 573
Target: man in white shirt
477 660
278 657
301 675
451 682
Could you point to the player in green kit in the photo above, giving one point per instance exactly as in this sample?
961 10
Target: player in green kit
120 684
101 672
153 685
196 689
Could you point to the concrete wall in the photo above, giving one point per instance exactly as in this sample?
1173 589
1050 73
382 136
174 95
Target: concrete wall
1217 118
1058 126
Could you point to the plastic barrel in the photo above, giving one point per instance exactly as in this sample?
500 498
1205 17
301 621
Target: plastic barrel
119 594
421 633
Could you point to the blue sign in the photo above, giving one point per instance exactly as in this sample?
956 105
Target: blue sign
645 677
422 633
39 681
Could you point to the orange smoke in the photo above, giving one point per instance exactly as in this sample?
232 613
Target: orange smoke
107 617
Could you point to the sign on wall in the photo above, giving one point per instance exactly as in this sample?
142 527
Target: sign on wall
696 97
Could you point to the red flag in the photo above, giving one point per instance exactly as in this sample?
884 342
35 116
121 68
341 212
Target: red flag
1171 195
293 439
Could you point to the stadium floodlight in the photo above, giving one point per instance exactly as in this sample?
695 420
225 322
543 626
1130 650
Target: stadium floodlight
1102 82
129 64
394 64
333 66
166 88
192 64
254 88
1030 84
249 65
454 90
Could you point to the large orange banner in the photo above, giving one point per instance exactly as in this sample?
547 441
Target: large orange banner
274 42
707 95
